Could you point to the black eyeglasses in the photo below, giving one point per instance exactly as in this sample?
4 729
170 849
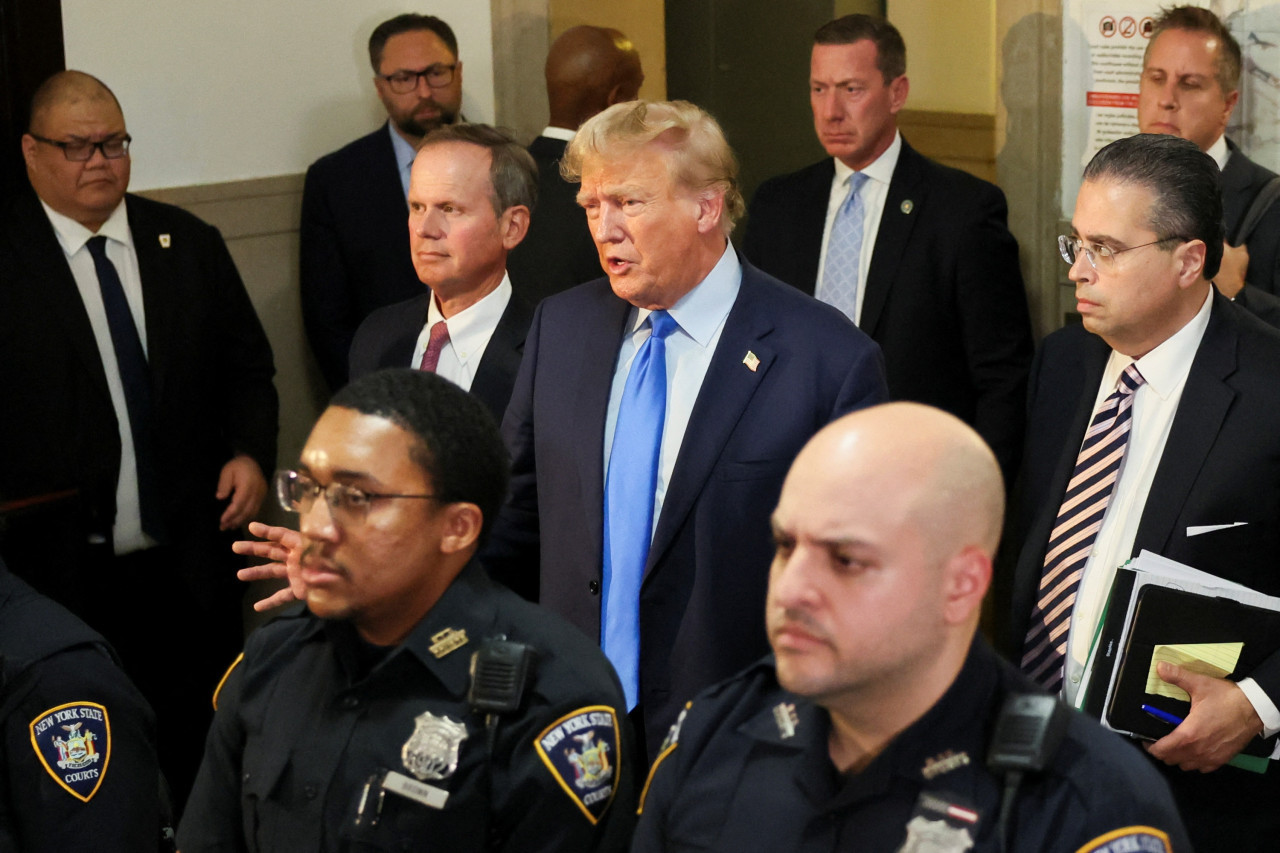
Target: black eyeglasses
80 150
298 493
403 82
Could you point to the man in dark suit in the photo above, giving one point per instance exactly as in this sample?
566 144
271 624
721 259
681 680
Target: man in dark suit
1182 389
588 69
136 382
471 195
917 254
1190 85
353 257
656 413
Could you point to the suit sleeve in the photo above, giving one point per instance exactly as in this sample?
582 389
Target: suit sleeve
328 310
865 384
996 327
212 821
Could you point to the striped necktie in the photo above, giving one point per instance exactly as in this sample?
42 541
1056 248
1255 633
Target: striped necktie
1076 529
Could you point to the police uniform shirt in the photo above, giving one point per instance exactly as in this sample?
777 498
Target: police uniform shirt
747 768
323 743
78 767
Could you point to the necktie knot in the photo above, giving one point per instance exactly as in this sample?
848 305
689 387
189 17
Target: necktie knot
662 324
856 181
435 345
1131 379
97 246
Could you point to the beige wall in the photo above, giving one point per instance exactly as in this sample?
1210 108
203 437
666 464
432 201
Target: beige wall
951 53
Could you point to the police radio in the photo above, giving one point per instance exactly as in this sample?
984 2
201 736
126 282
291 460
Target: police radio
1028 732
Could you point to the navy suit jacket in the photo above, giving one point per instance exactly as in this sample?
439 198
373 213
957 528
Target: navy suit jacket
388 336
1221 464
354 241
944 295
702 598
558 251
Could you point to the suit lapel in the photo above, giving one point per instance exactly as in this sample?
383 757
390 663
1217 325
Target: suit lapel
813 220
497 370
902 208
1201 411
727 389
156 252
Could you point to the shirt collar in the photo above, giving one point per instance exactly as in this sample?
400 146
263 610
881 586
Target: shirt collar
558 132
72 235
1220 154
404 151
880 169
701 311
1165 367
474 325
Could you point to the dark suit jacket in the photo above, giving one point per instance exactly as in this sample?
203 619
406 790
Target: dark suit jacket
211 387
354 246
702 599
558 251
944 295
388 336
1221 464
1242 180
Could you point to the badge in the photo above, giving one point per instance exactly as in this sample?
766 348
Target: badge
935 836
581 751
944 763
73 743
751 360
431 752
448 640
1131 839
784 714
165 241
907 206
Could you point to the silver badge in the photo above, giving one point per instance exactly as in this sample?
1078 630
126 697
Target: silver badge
431 752
935 836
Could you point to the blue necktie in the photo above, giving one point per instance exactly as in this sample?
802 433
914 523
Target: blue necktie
844 251
628 501
136 379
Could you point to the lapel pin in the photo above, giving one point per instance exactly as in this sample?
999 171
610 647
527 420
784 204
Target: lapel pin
751 361
786 718
164 241
907 206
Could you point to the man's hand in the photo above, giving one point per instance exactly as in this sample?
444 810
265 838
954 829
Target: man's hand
242 481
1235 266
1221 722
282 547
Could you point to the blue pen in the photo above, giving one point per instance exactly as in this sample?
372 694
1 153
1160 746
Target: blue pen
1162 715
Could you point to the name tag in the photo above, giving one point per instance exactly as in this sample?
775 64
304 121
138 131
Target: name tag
419 792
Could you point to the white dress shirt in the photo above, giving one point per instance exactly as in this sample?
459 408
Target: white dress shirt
562 133
874 192
469 334
700 315
126 532
1220 152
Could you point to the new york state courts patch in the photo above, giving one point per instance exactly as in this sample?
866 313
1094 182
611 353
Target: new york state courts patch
581 751
73 744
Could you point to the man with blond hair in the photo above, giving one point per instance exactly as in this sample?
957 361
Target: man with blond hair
656 412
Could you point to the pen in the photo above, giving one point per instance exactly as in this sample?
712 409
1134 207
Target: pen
1162 715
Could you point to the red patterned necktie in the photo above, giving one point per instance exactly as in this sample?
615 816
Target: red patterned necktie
431 357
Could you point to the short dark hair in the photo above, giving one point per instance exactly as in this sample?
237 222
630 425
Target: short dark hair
512 172
458 445
1197 20
1184 180
891 51
408 23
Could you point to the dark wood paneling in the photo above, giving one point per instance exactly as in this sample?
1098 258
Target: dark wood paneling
30 50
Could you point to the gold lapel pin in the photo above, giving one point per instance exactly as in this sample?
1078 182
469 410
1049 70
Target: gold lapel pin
751 361
907 206
165 241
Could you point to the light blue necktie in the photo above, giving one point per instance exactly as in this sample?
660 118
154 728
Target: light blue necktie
628 501
844 251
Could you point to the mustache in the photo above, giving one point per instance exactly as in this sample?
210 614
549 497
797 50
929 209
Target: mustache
788 618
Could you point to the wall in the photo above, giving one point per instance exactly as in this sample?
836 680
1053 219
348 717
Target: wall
642 20
951 53
251 88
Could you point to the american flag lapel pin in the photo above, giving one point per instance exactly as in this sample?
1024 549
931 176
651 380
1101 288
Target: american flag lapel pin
751 361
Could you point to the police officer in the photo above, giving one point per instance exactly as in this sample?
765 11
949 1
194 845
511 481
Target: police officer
415 704
78 766
869 727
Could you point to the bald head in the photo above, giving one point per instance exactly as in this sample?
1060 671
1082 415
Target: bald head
588 69
68 89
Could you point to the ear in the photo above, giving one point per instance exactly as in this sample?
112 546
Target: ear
966 577
29 144
898 94
1232 100
513 226
710 210
1190 259
462 527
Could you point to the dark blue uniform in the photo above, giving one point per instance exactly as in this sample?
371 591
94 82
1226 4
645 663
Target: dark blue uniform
78 764
749 770
322 742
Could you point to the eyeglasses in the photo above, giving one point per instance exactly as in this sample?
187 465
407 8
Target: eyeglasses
80 150
1099 256
403 82
297 493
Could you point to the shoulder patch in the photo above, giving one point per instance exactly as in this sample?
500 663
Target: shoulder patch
581 750
217 691
73 744
1130 839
